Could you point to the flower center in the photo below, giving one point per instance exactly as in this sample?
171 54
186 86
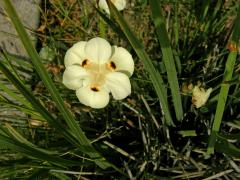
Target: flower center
98 73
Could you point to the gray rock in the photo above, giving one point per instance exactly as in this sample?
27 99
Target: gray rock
28 10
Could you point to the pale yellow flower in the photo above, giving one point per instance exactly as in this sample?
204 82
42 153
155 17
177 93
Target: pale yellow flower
119 4
95 68
200 96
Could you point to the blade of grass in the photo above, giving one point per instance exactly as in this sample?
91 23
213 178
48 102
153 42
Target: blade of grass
176 24
111 24
39 108
102 27
224 146
23 109
13 134
168 56
11 138
39 66
10 65
37 105
36 153
17 61
176 31
205 8
38 173
68 117
222 98
15 96
155 76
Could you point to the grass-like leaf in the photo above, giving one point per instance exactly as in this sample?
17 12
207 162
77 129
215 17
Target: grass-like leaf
155 76
68 117
226 147
168 56
16 142
41 110
37 105
205 8
111 24
13 95
23 109
227 77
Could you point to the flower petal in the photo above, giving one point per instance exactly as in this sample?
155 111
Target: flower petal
76 54
123 60
118 84
98 50
119 4
92 98
200 96
74 77
103 5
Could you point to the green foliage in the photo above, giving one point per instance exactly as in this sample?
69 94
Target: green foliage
227 76
156 133
155 76
74 130
168 56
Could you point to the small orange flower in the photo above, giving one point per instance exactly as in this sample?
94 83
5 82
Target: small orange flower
232 47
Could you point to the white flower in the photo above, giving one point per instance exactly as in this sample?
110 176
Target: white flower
119 4
94 69
200 96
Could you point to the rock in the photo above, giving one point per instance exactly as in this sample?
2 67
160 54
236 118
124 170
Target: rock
28 11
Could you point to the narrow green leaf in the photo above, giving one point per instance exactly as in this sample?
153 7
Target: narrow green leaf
224 146
29 149
35 103
13 95
12 133
168 56
176 25
32 152
68 117
204 9
111 24
3 145
10 65
60 176
17 61
41 110
22 109
155 76
38 174
102 27
187 133
223 95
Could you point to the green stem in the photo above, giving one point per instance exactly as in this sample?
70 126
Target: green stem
222 99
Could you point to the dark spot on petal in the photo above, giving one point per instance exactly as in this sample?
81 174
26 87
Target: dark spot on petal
85 62
113 65
95 89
